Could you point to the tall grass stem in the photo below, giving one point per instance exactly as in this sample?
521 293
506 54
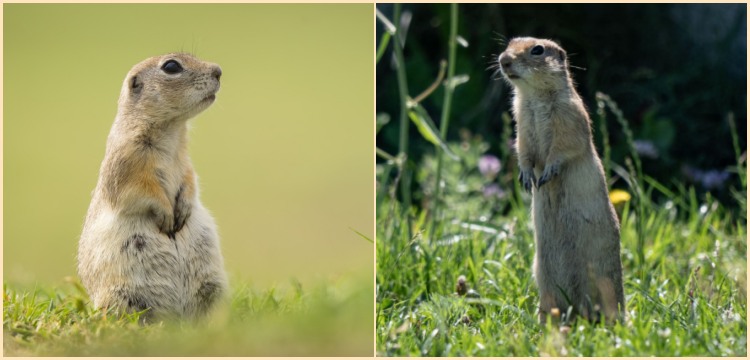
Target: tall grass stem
606 150
445 115
403 91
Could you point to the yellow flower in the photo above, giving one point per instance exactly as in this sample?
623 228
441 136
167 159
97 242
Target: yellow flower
618 196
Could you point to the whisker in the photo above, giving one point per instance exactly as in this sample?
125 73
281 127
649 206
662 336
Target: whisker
499 38
497 75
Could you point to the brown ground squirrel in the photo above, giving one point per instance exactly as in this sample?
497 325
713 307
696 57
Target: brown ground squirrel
147 241
577 262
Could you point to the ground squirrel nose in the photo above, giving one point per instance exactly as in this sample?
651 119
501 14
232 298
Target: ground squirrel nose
216 72
505 61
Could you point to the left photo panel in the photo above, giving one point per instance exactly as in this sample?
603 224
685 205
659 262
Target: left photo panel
188 180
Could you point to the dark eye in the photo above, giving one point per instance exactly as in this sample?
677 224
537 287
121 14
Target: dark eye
537 50
171 67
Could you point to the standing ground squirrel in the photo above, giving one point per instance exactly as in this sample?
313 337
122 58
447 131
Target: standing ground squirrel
577 262
147 241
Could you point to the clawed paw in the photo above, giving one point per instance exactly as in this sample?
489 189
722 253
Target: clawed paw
182 210
181 214
165 222
549 172
527 179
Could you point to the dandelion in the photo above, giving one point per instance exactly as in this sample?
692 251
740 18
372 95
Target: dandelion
618 196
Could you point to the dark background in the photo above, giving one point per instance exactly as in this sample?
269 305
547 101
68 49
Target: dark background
676 71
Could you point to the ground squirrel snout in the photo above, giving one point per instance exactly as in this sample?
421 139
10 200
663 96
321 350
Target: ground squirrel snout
148 243
534 63
577 262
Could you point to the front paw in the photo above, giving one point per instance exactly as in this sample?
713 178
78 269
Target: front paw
550 171
182 211
165 221
527 179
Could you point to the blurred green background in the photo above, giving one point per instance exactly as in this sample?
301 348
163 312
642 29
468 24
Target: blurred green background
284 156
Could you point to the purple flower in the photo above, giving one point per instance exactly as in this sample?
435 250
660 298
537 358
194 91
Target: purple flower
714 179
646 148
493 190
489 165
709 179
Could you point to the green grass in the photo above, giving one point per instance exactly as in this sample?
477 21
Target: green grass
326 320
686 298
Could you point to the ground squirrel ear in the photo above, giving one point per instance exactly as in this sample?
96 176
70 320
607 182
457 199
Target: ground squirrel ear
136 85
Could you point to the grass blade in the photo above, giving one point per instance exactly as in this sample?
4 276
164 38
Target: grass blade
427 128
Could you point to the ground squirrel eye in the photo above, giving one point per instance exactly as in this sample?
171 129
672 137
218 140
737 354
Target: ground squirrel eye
537 50
171 67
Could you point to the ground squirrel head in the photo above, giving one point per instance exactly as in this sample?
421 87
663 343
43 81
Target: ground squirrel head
174 86
535 64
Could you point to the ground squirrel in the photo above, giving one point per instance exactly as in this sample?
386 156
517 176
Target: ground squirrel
577 262
147 241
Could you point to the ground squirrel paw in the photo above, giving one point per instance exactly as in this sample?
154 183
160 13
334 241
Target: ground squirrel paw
181 213
549 172
165 221
527 179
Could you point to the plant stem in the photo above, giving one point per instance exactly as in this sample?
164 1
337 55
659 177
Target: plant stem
737 149
445 116
383 45
389 31
606 155
435 84
404 95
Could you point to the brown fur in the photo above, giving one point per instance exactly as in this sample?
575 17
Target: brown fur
577 262
147 242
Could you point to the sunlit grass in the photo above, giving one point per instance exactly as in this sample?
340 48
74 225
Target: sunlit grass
687 298
331 319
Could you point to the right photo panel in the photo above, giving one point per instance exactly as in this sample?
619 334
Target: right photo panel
561 180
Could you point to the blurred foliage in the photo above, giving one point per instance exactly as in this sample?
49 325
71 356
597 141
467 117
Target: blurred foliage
677 71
